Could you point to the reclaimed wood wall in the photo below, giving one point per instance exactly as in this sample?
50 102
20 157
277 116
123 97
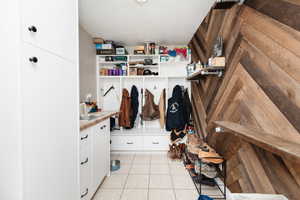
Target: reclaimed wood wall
260 89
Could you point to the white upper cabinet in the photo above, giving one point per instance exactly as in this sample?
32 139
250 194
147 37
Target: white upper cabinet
51 25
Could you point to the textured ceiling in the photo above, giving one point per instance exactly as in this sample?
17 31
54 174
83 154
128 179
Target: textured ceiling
163 21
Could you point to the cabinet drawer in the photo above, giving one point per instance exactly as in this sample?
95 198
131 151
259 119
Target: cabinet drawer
127 142
156 142
102 127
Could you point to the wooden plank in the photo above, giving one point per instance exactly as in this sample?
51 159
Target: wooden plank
294 170
200 54
288 108
232 90
201 42
231 66
235 187
269 142
198 106
282 11
280 177
280 33
200 131
211 91
284 58
255 170
265 111
195 57
244 181
214 30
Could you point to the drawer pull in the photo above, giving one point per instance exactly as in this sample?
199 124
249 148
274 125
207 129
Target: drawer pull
86 192
102 127
33 59
84 162
32 29
84 138
129 142
155 142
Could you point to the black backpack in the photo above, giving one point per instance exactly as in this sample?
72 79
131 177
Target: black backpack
176 113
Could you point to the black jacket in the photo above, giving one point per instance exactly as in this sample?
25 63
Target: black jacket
134 94
175 112
187 106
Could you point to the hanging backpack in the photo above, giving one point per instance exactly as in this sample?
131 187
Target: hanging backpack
150 109
175 112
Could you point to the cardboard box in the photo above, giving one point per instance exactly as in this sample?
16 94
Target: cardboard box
133 71
217 62
98 40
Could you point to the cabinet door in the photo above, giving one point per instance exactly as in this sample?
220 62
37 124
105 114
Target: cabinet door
85 164
50 129
98 152
56 25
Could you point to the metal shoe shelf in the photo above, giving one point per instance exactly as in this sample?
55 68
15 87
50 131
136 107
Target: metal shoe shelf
220 184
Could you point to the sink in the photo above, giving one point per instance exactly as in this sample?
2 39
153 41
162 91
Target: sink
90 117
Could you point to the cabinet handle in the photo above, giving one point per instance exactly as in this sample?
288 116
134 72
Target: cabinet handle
83 138
33 59
103 127
84 162
86 192
155 142
32 29
129 143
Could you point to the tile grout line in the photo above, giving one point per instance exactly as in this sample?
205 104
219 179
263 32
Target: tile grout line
123 189
172 180
149 175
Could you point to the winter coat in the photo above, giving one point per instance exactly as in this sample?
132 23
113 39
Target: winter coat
125 109
134 94
175 112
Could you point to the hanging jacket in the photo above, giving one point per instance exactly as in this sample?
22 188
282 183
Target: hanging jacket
134 95
162 109
175 111
150 109
187 106
125 110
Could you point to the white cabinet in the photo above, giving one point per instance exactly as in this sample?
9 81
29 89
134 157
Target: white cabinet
101 152
50 124
94 158
44 69
56 26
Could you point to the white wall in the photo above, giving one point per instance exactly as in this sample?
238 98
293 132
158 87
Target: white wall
10 142
87 65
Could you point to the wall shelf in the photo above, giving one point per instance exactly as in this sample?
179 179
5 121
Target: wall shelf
212 70
147 135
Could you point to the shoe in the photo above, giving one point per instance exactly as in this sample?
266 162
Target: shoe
201 179
174 137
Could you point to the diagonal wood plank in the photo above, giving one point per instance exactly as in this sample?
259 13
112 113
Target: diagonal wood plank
269 142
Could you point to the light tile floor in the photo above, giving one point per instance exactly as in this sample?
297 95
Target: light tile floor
147 177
